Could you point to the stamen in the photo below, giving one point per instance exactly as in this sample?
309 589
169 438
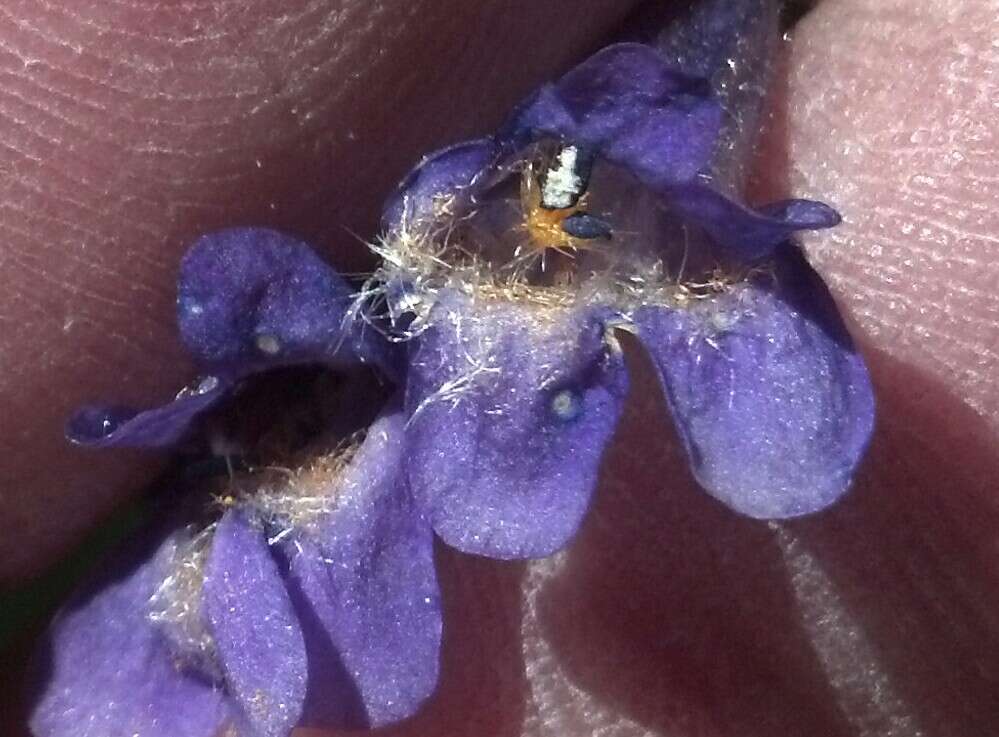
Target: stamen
586 227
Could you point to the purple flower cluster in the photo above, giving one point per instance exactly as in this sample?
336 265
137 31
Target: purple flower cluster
511 267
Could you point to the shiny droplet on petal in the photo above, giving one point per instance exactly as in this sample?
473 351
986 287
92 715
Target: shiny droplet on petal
202 385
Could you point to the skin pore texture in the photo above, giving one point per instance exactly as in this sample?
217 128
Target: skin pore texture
128 128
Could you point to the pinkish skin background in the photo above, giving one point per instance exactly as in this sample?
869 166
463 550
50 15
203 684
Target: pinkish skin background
128 127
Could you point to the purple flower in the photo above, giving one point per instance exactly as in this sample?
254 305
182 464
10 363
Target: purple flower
311 598
301 605
511 267
514 262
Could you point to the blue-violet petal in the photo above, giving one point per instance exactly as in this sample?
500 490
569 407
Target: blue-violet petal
256 632
745 232
768 392
108 670
511 406
447 172
627 105
253 298
99 426
367 592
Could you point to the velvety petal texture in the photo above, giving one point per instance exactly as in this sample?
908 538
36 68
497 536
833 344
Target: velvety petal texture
733 44
633 109
769 395
251 298
746 233
107 671
623 103
257 637
511 406
367 594
663 127
447 172
337 624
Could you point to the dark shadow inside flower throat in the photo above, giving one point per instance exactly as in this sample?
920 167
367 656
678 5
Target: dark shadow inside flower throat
287 413
277 452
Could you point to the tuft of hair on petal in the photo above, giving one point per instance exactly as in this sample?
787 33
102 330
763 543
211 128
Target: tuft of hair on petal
291 497
175 606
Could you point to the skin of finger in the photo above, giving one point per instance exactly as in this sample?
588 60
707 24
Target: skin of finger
908 152
877 618
128 128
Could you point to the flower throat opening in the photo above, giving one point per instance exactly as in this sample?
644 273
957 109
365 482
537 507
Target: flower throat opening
280 454
554 225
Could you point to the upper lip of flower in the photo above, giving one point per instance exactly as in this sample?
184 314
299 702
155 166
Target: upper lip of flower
633 110
506 406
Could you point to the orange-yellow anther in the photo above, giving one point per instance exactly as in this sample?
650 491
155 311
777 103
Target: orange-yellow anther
544 226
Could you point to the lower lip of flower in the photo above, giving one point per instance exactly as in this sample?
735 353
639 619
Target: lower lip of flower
286 475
